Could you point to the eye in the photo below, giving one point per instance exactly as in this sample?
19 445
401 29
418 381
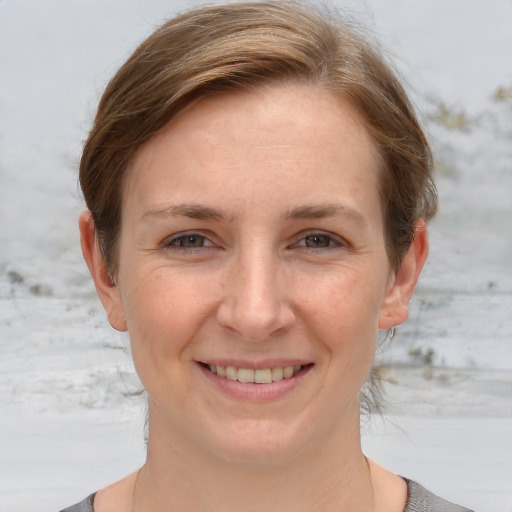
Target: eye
318 241
189 241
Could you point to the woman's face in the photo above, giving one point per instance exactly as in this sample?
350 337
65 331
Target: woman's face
252 245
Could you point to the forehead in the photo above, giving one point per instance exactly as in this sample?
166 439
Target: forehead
280 141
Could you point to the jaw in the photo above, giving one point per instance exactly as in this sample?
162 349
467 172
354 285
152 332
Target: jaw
254 424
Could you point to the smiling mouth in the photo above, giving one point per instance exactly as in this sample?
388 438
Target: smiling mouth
263 376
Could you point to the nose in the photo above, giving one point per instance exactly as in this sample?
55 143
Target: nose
254 304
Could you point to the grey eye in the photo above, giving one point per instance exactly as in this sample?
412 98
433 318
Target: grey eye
190 241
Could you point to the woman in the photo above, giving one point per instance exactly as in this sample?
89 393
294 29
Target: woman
258 190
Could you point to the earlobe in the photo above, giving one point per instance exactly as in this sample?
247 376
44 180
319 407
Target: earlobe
395 307
107 290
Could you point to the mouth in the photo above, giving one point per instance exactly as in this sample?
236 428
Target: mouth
260 376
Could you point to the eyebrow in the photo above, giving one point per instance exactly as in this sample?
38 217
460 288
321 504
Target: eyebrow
190 210
201 212
322 211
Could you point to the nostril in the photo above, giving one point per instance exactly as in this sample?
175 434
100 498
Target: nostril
255 322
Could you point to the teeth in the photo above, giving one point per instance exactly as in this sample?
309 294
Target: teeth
277 374
288 372
231 372
245 375
265 376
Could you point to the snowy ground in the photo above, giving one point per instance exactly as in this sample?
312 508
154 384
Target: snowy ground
69 423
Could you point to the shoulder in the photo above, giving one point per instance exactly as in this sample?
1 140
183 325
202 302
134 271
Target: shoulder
421 500
83 506
418 500
116 496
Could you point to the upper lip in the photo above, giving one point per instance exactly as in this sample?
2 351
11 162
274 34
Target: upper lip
255 365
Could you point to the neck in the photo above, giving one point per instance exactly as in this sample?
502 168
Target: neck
177 475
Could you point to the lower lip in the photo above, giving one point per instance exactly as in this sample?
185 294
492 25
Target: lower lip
255 392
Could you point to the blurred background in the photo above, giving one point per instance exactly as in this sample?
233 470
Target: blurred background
71 420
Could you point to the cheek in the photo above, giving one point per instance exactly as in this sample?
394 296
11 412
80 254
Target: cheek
163 315
343 315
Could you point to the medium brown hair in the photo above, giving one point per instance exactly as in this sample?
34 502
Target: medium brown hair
215 49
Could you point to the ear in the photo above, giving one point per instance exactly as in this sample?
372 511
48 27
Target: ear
108 291
395 306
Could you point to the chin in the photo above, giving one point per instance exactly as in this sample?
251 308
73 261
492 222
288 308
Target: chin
258 442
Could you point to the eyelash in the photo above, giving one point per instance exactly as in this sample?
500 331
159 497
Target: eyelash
175 243
334 242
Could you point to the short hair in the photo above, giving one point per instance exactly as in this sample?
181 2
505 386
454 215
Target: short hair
246 45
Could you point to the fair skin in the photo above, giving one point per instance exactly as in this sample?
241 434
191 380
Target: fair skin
252 237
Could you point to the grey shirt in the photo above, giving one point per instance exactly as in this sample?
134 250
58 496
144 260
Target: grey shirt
418 500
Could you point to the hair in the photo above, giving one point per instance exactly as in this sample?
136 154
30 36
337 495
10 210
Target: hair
239 46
